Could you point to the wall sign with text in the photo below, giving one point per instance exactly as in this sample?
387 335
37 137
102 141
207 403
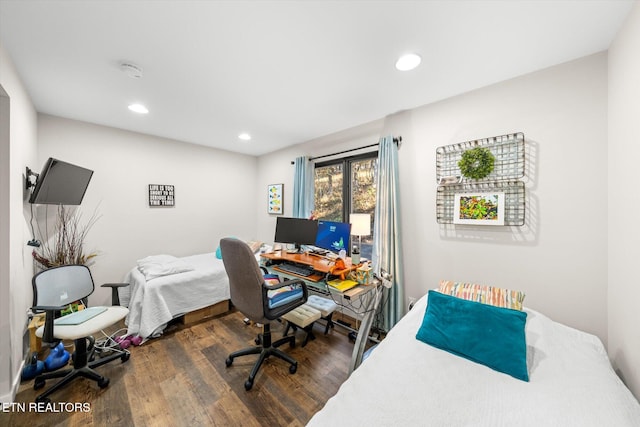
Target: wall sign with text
161 195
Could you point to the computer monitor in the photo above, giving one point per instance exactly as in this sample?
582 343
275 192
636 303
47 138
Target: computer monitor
333 236
297 231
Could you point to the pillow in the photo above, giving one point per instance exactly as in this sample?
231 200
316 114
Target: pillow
482 293
253 244
485 334
162 265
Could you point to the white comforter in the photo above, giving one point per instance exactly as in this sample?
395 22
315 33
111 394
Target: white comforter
154 302
408 383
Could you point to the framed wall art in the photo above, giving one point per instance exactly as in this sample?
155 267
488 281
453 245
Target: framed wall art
275 203
162 195
479 208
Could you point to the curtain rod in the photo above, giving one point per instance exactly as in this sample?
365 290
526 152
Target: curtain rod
397 140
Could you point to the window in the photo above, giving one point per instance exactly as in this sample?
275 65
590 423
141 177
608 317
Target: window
336 196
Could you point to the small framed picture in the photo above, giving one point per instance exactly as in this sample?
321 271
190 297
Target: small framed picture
162 195
275 205
479 208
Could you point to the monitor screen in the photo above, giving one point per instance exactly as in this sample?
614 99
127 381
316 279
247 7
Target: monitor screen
298 231
61 183
333 236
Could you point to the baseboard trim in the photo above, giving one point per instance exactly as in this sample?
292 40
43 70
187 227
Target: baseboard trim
11 396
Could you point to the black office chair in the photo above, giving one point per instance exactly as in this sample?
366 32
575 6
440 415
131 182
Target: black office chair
53 290
254 298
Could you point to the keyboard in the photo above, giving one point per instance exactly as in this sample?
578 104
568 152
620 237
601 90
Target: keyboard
295 269
80 316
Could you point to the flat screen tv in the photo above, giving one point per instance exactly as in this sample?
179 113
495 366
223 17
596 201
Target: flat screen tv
61 183
297 231
333 236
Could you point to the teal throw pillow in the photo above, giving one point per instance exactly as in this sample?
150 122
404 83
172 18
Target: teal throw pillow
492 336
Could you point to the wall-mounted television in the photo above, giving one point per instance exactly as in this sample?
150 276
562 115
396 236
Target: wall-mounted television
333 236
61 183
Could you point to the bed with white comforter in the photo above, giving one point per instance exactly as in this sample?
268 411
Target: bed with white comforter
165 287
406 382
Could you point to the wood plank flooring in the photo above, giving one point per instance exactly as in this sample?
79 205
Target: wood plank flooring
181 380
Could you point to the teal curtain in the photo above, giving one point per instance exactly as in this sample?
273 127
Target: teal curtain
387 249
303 191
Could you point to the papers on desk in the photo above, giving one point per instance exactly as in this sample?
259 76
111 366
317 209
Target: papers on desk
342 285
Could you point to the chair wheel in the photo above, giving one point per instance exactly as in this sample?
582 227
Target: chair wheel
293 368
40 399
228 362
125 357
248 384
104 382
38 383
257 340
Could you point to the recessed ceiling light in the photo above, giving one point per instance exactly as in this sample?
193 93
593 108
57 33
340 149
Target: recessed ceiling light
138 108
408 62
244 136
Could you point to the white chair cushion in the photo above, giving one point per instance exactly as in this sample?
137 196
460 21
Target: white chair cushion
95 324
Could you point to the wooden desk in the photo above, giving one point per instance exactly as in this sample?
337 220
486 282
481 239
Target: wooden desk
321 265
317 280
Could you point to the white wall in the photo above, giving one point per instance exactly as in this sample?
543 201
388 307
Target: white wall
215 194
559 258
17 149
624 201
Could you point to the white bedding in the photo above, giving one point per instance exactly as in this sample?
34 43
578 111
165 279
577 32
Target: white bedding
155 302
408 383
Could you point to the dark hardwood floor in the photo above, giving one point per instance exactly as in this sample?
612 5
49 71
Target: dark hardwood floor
181 379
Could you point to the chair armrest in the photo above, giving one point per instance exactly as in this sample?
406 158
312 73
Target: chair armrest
274 313
114 285
115 298
47 335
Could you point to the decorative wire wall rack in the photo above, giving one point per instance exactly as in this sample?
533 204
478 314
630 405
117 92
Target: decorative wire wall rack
514 195
508 151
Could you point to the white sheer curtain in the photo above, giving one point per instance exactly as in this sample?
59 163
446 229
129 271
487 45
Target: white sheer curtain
303 190
387 249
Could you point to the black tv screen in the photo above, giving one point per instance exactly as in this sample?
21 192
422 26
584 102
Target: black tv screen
298 231
61 183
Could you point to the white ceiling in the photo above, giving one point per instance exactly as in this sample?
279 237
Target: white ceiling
284 71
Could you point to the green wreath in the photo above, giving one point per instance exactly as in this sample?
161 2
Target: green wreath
476 163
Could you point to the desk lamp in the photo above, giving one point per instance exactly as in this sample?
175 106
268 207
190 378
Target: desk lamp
360 226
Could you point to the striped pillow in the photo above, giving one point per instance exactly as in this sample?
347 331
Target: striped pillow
491 295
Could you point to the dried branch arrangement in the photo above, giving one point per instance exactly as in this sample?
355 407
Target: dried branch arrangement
66 246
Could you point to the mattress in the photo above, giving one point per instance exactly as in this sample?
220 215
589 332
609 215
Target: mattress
407 382
153 303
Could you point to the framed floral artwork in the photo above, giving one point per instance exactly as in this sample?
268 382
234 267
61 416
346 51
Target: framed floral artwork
479 208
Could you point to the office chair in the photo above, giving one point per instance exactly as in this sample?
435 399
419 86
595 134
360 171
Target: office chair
254 298
53 290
